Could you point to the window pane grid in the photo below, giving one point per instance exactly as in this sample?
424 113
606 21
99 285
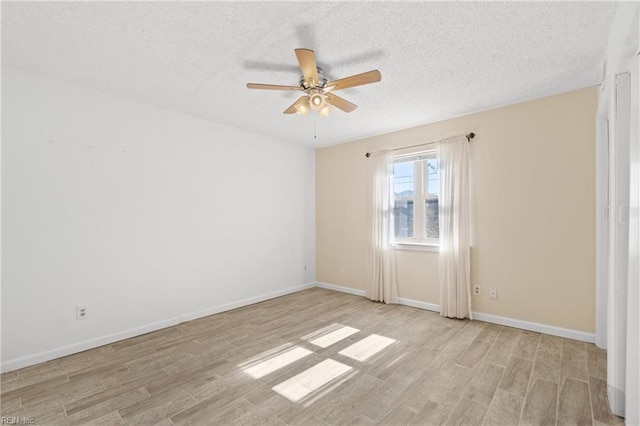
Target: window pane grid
416 199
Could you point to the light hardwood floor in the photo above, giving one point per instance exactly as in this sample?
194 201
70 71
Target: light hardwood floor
269 363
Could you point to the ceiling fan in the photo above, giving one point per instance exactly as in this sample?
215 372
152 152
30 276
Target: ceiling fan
318 91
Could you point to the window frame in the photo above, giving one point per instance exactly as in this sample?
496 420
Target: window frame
420 197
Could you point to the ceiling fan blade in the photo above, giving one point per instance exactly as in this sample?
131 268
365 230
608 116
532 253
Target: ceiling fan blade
307 61
340 103
292 109
355 80
271 87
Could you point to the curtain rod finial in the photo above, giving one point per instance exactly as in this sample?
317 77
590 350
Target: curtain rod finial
368 154
471 136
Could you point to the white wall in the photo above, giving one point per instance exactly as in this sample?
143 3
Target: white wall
145 216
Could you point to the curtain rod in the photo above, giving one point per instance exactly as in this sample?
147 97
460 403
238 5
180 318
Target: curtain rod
469 136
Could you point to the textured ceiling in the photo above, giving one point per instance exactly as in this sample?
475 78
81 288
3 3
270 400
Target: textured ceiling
437 59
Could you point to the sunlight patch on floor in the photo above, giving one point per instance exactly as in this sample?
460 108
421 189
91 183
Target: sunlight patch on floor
367 347
334 337
322 331
317 381
328 388
267 354
262 368
300 386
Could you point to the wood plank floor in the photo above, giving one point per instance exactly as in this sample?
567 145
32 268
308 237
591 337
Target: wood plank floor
318 357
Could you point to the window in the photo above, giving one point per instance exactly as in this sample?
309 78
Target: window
415 187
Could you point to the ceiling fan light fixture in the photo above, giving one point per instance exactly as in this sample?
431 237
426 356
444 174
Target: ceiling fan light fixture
317 101
325 111
302 108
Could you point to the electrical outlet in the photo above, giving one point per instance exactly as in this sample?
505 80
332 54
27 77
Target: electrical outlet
476 290
493 293
81 312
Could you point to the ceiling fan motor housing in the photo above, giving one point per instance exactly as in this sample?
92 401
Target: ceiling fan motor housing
322 81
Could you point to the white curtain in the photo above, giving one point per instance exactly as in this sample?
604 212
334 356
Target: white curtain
381 276
454 220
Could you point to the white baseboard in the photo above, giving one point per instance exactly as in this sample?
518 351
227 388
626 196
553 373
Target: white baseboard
245 302
418 304
26 361
495 319
536 326
342 289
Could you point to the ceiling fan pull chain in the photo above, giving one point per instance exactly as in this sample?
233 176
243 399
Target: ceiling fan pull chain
314 128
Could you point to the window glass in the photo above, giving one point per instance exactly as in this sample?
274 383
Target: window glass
416 187
404 191
431 210
403 215
403 179
431 176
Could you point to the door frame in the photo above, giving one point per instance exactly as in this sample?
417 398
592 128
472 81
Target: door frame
602 213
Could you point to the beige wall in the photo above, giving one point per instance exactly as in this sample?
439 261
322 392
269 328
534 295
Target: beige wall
533 211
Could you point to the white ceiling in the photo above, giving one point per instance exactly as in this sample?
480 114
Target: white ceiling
437 59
